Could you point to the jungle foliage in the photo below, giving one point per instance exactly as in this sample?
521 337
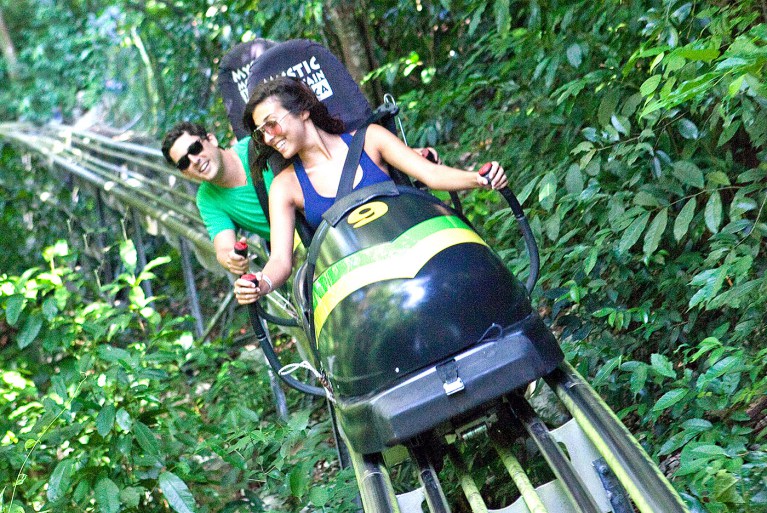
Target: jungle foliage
633 132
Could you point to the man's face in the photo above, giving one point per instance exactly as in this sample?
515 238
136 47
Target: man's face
206 165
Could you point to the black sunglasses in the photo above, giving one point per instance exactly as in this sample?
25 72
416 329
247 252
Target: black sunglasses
194 149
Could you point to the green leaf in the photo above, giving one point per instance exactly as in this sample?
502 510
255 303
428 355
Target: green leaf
552 227
709 450
128 255
502 16
107 495
645 199
574 55
476 18
299 478
574 180
669 399
713 212
591 260
682 221
49 308
638 378
705 54
13 307
688 173
177 493
697 425
131 496
726 488
687 129
547 192
299 420
607 106
621 124
718 178
633 232
123 419
112 354
155 263
710 281
662 365
61 479
655 232
650 85
319 496
650 108
606 370
30 330
727 133
146 439
105 419
734 87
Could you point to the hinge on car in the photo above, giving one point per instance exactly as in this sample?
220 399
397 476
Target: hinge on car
451 381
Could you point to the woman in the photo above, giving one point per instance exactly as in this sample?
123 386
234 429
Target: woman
285 115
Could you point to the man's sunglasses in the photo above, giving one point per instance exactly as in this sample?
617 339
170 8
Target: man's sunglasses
271 127
194 149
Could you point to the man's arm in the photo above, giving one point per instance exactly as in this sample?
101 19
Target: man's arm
223 243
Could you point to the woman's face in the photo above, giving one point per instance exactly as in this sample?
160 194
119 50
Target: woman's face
277 127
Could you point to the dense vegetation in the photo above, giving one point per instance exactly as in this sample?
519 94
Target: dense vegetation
634 133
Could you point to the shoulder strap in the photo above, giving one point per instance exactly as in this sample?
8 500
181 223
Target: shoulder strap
351 163
258 181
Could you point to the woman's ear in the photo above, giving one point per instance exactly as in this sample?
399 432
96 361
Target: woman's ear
304 115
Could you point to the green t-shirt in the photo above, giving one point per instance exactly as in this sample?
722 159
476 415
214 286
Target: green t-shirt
237 207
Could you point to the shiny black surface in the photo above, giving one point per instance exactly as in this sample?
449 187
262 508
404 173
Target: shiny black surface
389 329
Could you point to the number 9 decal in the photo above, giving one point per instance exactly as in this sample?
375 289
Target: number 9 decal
367 213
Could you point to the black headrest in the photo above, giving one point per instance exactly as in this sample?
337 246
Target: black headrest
315 65
233 75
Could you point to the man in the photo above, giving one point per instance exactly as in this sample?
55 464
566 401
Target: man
226 197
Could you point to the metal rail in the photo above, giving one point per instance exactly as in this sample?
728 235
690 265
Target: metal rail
137 178
645 484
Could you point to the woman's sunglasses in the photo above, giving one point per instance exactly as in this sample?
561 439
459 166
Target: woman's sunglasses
271 127
194 149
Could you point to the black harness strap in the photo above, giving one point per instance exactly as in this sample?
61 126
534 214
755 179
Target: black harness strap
258 181
351 163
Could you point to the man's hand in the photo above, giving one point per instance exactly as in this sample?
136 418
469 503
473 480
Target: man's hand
235 263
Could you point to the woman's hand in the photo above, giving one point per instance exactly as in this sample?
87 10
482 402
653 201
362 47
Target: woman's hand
249 291
495 178
429 154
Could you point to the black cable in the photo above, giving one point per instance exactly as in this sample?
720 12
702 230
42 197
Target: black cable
273 359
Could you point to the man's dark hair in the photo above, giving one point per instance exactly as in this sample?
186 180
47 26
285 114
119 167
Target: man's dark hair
177 131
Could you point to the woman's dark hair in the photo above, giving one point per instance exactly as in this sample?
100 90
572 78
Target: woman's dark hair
296 97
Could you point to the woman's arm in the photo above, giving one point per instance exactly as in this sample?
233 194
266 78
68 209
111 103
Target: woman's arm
280 264
381 142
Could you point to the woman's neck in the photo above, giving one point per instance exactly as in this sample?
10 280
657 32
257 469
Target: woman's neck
318 147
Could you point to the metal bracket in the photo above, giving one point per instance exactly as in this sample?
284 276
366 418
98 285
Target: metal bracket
451 381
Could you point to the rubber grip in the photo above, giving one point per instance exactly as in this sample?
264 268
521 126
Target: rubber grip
485 169
428 155
250 277
241 248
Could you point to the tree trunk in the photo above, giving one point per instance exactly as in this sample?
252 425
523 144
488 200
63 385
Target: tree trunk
9 51
349 27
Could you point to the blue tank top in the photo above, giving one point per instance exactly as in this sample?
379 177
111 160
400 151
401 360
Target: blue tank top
316 205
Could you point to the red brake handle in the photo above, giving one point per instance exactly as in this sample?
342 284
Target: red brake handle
485 169
250 277
428 155
241 248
